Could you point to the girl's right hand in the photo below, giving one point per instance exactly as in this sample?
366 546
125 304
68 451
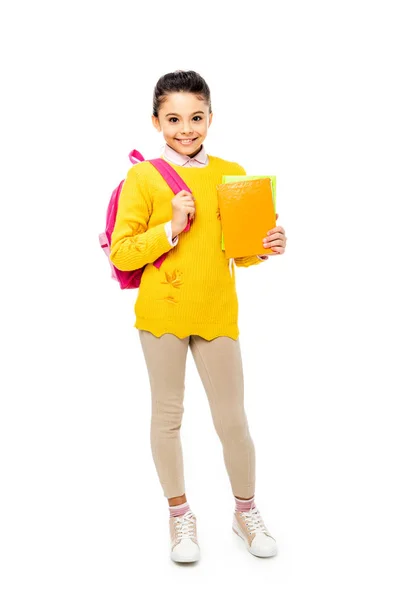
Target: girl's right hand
182 208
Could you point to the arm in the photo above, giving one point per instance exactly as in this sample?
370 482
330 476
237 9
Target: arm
133 245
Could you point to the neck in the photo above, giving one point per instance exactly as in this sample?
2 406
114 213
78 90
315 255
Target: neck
188 155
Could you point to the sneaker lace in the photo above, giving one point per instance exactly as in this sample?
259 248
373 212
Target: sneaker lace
184 526
254 521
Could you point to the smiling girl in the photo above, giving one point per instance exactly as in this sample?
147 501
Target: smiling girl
190 302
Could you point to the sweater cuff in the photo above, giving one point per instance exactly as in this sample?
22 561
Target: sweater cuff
248 261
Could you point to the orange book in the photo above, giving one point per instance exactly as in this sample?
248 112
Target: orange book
247 213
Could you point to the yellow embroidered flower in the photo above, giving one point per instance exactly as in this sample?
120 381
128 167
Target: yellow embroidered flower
170 299
173 278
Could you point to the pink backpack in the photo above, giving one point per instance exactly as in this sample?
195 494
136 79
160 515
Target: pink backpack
131 279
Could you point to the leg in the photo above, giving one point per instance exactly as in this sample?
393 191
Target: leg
219 364
166 364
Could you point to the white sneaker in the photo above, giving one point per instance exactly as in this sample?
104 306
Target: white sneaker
184 544
251 528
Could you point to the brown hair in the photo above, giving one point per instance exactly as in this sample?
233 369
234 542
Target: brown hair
180 81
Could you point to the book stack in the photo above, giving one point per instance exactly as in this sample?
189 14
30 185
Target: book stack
247 205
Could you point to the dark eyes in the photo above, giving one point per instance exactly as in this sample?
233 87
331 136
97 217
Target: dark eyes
196 117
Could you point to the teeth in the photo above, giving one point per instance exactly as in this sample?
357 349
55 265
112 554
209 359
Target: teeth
185 141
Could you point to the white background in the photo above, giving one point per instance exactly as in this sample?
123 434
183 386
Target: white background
304 90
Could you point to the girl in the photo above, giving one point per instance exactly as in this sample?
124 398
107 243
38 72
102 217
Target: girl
191 302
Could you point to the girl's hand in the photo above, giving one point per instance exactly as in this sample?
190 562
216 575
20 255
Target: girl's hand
182 208
276 239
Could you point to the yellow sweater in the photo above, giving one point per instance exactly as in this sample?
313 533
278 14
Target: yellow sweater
194 290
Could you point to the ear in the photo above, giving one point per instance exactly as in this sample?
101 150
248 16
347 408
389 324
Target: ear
156 122
210 117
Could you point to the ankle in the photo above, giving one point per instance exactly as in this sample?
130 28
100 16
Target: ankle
176 500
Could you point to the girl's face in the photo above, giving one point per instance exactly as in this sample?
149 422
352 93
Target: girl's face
183 116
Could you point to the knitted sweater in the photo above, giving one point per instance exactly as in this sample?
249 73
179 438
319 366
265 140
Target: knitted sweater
194 291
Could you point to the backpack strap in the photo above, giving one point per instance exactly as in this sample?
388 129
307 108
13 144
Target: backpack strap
174 181
172 178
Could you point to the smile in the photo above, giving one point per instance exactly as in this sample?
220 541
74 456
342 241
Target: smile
186 142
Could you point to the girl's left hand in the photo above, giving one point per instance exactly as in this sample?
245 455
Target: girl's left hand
276 239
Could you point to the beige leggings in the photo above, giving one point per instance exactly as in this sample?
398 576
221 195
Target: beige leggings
219 364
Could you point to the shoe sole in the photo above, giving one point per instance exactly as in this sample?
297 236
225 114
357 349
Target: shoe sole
271 553
185 560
